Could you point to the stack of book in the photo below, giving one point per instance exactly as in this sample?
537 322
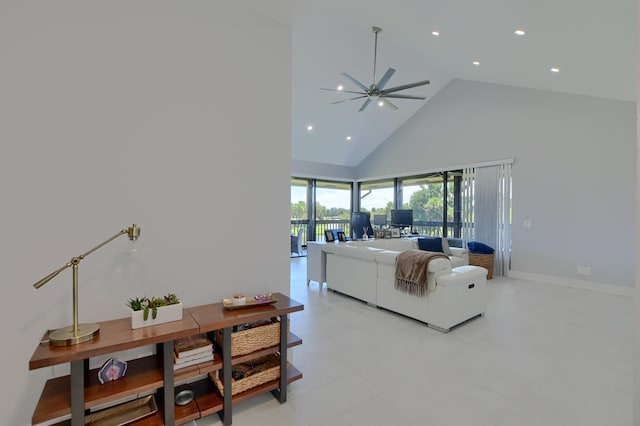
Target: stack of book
191 350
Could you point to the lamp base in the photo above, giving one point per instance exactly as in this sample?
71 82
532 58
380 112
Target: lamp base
66 337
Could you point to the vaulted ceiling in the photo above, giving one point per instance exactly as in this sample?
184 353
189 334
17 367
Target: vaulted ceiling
591 42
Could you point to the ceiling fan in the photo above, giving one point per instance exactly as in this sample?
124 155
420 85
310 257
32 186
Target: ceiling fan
376 92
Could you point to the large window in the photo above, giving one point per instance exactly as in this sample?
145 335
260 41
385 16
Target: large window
433 200
299 195
318 205
433 197
377 197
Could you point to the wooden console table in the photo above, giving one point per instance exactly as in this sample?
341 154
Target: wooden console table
80 391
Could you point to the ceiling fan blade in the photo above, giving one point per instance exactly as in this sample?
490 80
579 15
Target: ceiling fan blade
404 86
389 104
364 105
398 96
385 78
343 91
347 100
356 82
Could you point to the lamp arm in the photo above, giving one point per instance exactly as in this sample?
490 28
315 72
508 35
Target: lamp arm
50 276
82 256
133 233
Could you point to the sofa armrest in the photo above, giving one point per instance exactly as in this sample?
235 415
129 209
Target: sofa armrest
459 256
458 252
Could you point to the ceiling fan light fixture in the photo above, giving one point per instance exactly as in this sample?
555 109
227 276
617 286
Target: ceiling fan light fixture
377 91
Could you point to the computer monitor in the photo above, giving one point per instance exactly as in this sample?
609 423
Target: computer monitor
401 218
360 221
379 219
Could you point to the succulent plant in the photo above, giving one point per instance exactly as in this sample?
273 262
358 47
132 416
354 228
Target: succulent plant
146 304
137 303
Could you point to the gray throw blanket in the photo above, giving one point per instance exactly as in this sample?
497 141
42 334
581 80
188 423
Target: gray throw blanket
411 270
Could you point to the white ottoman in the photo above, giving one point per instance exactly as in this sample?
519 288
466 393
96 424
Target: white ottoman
460 295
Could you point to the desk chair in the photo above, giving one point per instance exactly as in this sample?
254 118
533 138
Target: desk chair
296 242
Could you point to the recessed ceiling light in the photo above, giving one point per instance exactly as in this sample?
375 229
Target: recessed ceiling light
554 69
435 33
309 128
476 63
380 103
519 32
340 87
348 138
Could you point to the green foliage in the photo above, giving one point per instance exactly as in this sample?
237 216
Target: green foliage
427 203
299 210
136 304
146 304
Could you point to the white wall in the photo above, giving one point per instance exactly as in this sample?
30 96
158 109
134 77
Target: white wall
573 175
636 353
300 168
119 112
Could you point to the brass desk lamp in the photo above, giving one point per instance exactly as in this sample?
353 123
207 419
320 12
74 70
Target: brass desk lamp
78 333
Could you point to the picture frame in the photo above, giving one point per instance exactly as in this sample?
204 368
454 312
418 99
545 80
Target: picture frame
395 232
328 236
342 237
378 233
387 233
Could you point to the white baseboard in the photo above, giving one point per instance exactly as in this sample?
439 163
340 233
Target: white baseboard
578 284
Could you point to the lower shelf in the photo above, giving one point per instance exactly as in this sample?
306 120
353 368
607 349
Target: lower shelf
293 374
207 400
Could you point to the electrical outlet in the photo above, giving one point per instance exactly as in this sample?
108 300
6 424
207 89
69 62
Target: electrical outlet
584 270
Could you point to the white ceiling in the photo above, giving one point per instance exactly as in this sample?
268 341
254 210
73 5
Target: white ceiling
593 42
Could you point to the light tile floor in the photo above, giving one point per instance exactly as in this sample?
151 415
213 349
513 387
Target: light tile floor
542 355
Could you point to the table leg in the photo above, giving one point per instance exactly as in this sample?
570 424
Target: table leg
77 392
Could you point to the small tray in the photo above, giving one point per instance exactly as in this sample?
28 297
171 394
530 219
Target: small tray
123 414
250 303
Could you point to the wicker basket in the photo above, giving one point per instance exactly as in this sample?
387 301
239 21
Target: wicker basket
247 341
264 369
484 260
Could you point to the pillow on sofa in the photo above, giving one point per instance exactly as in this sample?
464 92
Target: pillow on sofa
479 248
430 244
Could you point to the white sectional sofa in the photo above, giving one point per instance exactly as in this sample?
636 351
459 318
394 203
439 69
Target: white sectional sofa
366 270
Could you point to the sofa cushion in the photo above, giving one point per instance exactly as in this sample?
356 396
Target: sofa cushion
386 261
430 244
387 256
364 253
462 275
458 261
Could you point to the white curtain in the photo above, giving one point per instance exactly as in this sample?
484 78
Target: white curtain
486 211
468 175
